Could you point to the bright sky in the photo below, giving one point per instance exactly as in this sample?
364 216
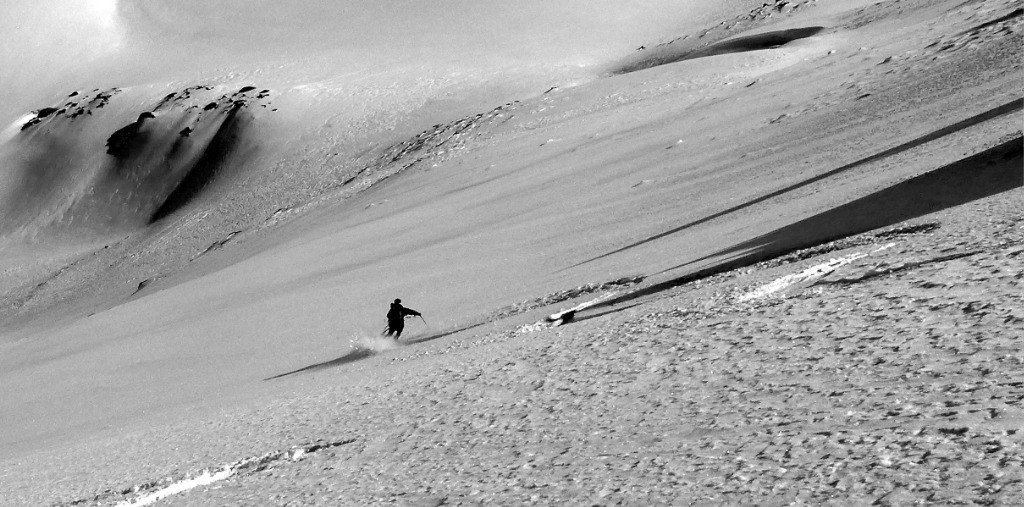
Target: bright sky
46 40
56 46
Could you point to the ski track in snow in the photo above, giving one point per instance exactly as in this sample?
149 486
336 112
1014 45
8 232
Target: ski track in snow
204 479
812 273
149 493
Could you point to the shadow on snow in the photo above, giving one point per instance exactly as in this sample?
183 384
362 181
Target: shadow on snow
985 174
363 353
1009 107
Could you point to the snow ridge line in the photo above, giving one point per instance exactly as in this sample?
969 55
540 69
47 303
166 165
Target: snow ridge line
154 491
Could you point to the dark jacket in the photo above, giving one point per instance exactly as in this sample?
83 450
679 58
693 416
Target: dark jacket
397 313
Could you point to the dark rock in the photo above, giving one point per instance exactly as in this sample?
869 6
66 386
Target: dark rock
120 143
142 285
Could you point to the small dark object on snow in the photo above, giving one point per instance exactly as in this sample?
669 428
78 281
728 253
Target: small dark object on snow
562 318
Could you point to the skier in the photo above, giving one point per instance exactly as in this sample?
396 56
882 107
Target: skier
396 318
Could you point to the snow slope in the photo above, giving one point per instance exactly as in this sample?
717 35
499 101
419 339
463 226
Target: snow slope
144 135
448 177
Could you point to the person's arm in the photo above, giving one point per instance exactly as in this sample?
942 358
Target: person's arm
410 311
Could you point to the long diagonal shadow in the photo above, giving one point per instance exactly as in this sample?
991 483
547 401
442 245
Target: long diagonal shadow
422 339
602 314
351 356
363 353
988 173
1009 107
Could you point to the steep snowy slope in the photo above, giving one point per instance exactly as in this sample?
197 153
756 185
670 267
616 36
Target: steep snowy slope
143 137
248 233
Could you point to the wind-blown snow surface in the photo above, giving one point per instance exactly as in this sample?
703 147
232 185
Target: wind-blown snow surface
230 207
141 133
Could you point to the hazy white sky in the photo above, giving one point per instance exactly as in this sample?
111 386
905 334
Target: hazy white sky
45 40
56 46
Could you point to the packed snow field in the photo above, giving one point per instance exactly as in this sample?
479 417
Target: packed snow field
725 253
